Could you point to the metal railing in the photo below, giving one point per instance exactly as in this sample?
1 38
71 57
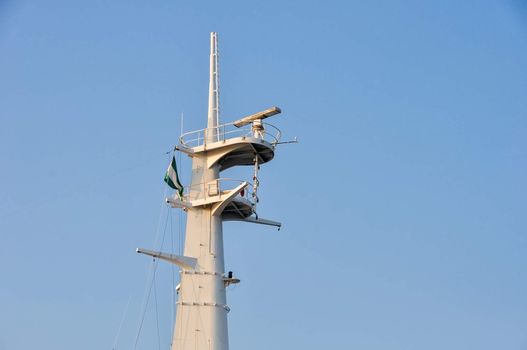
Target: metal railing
201 137
218 187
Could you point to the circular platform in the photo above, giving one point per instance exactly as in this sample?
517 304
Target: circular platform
239 208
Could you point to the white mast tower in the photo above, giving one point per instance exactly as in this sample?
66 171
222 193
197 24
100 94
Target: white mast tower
201 320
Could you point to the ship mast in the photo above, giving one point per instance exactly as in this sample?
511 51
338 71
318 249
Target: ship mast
201 320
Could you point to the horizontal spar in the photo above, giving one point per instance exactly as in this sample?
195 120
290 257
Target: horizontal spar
180 260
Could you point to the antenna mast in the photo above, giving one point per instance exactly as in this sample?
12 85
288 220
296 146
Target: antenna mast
201 320
213 119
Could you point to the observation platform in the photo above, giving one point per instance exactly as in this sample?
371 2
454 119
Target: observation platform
229 145
235 203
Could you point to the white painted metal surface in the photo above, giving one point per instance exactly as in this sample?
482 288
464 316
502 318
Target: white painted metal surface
213 119
201 320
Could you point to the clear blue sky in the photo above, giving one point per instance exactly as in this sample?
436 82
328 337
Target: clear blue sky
404 204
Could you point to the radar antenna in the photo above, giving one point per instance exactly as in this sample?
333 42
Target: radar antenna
256 119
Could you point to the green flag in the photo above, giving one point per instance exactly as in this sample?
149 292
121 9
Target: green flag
172 178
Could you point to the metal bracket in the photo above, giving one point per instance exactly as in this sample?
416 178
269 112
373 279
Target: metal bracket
217 209
178 203
185 262
184 149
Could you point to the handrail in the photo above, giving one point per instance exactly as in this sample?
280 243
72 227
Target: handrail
214 188
226 131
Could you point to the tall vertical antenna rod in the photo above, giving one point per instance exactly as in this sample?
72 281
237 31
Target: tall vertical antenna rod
213 120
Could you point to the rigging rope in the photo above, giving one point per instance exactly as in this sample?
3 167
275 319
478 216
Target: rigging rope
145 304
173 275
151 273
151 277
121 324
157 316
